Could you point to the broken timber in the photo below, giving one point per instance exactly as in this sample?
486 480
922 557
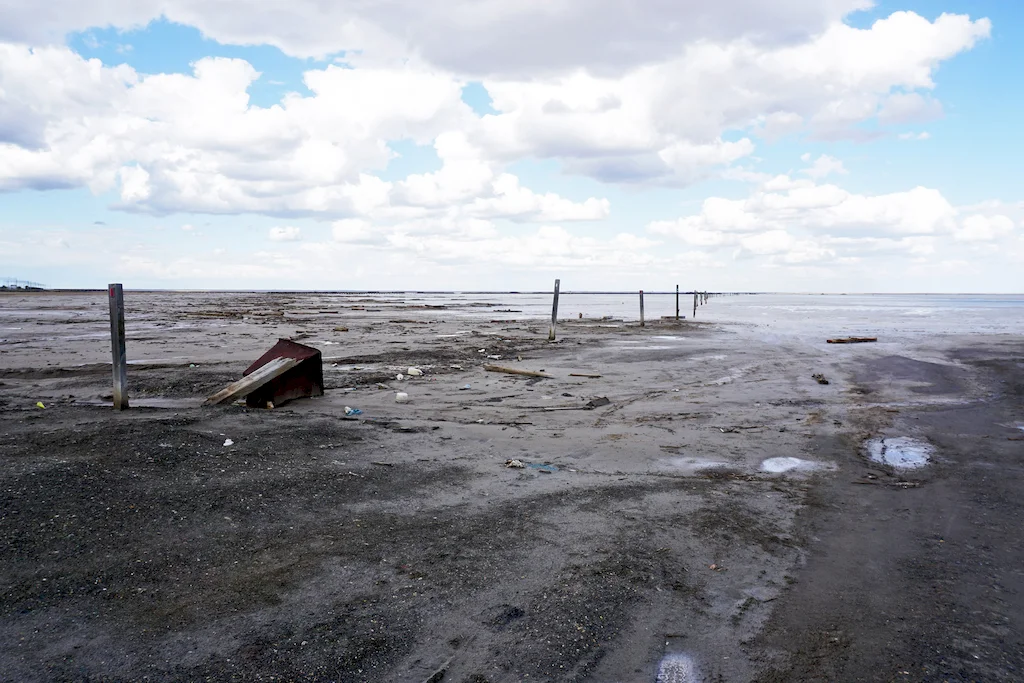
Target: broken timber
252 382
852 340
513 371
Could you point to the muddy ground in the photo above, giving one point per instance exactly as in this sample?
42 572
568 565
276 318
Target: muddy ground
647 535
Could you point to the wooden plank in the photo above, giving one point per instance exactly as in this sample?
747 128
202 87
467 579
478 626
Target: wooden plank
514 371
583 374
852 340
251 383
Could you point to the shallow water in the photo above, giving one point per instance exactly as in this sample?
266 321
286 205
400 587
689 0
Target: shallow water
900 452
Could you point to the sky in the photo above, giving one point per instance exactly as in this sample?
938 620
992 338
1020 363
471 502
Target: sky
799 145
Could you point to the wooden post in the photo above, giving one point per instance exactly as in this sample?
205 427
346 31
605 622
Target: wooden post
120 358
677 302
641 308
554 313
695 304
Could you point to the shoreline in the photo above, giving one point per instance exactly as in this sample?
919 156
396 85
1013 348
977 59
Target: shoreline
385 546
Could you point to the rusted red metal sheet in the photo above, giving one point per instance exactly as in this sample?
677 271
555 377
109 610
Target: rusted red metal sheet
303 381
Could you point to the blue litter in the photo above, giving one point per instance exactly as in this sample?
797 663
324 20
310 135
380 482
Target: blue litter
542 468
352 411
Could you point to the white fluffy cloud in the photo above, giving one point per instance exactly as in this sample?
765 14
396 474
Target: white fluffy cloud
466 36
193 142
798 221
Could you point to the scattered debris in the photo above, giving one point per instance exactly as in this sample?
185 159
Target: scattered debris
716 568
455 367
229 442
852 340
597 402
464 387
349 412
287 371
39 404
583 374
401 397
399 377
341 329
543 469
515 464
819 378
414 372
514 371
383 464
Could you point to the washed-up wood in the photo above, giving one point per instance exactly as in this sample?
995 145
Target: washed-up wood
252 382
852 340
583 374
514 371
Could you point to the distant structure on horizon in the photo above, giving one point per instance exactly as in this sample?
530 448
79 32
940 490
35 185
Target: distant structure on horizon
10 283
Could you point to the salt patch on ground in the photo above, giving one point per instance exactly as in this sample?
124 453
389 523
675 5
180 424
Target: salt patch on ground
677 668
900 452
695 464
779 465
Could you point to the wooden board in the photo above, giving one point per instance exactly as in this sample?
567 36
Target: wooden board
252 382
514 371
852 340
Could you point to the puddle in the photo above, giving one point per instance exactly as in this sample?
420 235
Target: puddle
900 452
677 668
779 465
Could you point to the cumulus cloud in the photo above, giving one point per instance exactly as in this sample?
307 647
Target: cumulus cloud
465 36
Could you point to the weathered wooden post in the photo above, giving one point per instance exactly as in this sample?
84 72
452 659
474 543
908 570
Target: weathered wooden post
120 358
554 313
695 304
677 302
641 308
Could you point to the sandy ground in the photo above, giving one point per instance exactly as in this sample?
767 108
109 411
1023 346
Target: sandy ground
663 540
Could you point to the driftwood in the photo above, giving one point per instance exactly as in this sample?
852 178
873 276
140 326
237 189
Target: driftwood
852 340
583 374
251 383
514 371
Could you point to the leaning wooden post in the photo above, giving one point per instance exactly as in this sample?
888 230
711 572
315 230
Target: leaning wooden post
554 313
116 294
677 302
641 308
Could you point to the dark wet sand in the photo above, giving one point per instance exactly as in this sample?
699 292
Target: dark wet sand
395 545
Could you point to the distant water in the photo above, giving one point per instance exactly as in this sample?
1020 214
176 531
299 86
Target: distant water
890 315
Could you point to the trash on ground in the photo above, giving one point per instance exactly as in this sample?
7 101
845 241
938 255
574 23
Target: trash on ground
819 378
514 371
341 329
464 387
542 468
584 374
414 372
455 367
229 442
352 411
401 397
39 404
383 464
598 402
399 377
852 340
515 464
287 371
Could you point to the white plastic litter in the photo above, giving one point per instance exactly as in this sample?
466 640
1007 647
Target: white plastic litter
401 397
414 372
229 442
